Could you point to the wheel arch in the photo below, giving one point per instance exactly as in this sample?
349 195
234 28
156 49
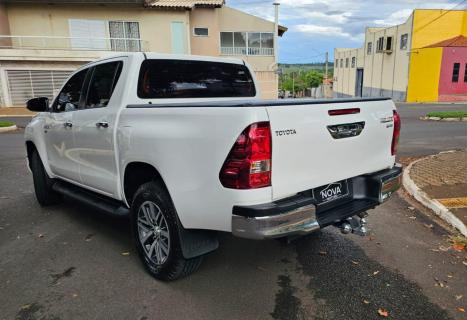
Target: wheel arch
137 173
30 148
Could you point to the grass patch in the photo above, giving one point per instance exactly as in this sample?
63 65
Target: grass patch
447 114
6 124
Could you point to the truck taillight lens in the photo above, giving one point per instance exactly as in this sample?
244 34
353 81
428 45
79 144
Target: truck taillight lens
396 133
248 164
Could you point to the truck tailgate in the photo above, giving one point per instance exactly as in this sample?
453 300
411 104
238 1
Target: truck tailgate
305 154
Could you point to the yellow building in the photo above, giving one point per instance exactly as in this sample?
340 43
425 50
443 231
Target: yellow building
421 60
43 41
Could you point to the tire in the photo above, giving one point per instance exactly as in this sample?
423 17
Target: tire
155 229
42 183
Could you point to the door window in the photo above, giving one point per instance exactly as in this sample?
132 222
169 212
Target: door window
68 98
103 81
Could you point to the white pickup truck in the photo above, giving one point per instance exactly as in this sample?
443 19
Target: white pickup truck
185 148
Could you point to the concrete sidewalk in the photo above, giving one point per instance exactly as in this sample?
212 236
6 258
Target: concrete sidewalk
440 183
16 112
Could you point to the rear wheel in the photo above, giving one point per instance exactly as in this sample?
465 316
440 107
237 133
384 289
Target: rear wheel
155 230
42 183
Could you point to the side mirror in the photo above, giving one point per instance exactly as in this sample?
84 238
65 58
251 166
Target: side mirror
38 104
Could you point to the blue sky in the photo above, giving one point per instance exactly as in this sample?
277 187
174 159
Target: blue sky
317 26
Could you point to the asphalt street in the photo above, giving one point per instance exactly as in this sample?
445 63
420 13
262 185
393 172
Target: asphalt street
72 262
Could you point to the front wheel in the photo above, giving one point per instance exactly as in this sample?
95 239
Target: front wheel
42 183
155 230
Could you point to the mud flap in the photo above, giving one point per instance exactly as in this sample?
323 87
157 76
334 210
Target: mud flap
196 243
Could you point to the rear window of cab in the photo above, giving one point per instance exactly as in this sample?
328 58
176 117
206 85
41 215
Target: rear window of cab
162 79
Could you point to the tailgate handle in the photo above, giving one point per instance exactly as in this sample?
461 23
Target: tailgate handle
346 130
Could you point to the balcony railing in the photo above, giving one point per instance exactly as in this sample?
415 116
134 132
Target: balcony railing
244 51
72 43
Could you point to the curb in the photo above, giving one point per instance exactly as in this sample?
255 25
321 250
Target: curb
442 119
440 210
16 116
7 129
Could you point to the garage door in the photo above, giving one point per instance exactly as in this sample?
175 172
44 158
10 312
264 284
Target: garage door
26 84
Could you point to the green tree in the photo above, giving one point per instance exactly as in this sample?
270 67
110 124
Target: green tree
313 79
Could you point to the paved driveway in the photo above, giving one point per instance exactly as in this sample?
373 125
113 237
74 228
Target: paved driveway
66 262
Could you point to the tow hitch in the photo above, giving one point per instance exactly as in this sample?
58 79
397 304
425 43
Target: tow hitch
355 224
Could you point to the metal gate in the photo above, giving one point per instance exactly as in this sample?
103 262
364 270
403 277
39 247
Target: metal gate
26 84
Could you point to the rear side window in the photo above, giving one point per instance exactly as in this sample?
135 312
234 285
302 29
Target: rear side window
103 81
194 79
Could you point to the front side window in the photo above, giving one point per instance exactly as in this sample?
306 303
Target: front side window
404 40
68 98
336 63
455 72
353 62
194 79
342 63
346 62
369 48
102 84
465 73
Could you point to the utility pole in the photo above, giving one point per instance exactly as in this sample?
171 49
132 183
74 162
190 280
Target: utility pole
293 84
326 67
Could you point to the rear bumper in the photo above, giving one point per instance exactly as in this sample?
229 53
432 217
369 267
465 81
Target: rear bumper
299 215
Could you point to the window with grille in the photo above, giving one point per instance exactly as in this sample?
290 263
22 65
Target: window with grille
27 84
388 44
404 41
201 32
455 72
88 34
247 43
124 36
369 48
380 44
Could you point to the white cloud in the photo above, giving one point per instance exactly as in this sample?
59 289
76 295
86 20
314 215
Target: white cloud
394 18
316 30
327 18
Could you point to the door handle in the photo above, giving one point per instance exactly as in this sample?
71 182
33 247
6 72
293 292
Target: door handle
102 124
68 124
346 130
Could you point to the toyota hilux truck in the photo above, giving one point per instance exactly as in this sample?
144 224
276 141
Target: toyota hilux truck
184 147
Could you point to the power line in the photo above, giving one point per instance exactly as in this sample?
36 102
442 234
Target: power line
440 16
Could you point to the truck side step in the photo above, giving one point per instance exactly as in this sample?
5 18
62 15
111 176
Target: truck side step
100 202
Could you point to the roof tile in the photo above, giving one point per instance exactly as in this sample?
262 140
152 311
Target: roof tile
184 4
459 41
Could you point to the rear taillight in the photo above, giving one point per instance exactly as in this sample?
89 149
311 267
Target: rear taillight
396 133
248 164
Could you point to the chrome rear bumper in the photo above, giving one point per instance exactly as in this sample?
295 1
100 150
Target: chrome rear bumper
299 215
295 222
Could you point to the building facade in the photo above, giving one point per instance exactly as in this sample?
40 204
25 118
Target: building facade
421 60
43 41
